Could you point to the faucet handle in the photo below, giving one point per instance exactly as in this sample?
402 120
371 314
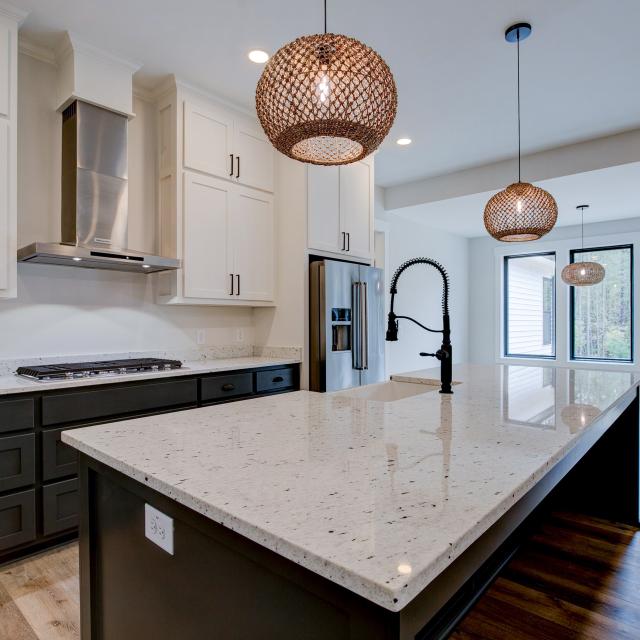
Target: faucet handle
440 354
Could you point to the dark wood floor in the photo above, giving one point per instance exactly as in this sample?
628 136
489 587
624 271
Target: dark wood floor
575 577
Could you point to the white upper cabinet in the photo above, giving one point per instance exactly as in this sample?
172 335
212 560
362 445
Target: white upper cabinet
324 208
215 203
356 207
208 137
253 155
227 145
9 20
340 209
207 261
251 243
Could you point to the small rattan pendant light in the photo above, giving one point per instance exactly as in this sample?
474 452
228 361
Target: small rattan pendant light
326 99
522 211
583 274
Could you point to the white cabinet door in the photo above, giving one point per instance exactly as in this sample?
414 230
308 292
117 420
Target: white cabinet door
5 71
356 207
206 261
4 203
208 138
254 159
251 225
323 185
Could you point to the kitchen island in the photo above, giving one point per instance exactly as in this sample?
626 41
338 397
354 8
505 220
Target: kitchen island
311 515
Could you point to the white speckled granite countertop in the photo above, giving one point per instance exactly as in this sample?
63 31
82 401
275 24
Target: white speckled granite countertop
16 384
378 497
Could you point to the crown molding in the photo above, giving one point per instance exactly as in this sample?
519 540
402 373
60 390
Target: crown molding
13 13
29 47
70 42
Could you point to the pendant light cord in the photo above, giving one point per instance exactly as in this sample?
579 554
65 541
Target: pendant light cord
325 16
519 146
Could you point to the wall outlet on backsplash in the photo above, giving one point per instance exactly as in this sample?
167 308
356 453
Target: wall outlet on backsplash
201 336
239 337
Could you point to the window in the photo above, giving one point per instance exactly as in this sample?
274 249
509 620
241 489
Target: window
529 305
601 316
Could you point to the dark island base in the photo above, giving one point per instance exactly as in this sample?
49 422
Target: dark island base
220 585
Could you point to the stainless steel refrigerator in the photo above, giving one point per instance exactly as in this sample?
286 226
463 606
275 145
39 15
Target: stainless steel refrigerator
346 325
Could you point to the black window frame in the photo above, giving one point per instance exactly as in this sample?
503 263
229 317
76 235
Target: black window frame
505 305
572 356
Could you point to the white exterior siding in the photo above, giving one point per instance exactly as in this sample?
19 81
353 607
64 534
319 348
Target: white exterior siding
525 305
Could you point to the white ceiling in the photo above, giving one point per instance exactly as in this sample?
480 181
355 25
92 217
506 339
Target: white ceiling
611 194
454 71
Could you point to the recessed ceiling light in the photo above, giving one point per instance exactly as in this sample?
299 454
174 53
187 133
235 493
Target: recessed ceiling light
258 56
403 142
76 259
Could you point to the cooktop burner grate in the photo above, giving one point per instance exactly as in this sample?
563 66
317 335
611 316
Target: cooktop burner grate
71 370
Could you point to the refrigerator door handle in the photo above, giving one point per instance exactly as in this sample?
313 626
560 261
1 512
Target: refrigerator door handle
356 328
360 352
364 327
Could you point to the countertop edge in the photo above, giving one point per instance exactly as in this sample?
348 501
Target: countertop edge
23 385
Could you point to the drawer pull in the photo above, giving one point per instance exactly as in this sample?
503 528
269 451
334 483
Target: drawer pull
228 387
278 379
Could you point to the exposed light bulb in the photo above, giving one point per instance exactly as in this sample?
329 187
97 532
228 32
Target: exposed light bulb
519 205
324 88
583 271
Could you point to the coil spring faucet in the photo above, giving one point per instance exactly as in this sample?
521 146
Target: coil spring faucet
444 353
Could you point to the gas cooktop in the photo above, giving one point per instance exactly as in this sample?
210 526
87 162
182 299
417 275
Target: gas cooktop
72 370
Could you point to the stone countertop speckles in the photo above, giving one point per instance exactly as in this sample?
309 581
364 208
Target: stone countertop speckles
377 497
16 384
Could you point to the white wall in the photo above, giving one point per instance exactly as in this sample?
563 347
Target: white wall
420 292
483 301
60 310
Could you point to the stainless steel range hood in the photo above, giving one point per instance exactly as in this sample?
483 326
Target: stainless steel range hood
94 197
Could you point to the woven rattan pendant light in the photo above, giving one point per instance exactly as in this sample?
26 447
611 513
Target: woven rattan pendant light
583 274
326 99
522 211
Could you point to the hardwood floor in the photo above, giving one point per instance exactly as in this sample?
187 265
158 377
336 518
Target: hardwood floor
575 577
40 597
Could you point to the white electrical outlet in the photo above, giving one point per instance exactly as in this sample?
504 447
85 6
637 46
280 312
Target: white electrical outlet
158 527
239 335
201 336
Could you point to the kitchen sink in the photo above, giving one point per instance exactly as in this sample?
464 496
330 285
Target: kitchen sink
388 391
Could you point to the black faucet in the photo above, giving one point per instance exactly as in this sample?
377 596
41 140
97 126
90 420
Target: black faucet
444 352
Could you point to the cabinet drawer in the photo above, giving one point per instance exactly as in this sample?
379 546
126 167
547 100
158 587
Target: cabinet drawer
17 461
58 459
274 380
220 387
104 403
60 506
17 519
16 415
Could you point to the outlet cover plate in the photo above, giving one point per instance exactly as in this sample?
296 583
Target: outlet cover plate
158 527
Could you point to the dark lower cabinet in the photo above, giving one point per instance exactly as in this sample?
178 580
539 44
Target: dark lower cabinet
226 386
58 459
17 461
17 519
60 506
38 472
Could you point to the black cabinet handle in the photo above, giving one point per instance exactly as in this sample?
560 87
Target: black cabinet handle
348 242
228 387
231 276
231 156
238 167
344 239
238 276
278 379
